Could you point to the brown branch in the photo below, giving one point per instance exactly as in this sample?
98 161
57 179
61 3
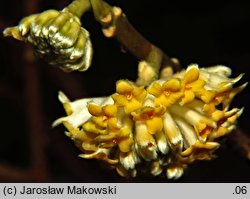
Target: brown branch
115 24
35 117
9 173
36 171
36 124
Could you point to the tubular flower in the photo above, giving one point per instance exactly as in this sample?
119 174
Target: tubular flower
152 117
129 96
193 86
166 94
105 116
159 129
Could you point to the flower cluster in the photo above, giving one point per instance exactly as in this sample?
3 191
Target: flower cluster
57 36
163 127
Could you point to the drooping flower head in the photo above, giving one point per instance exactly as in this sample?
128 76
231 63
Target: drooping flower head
164 127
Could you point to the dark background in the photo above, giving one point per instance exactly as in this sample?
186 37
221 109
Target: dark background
204 32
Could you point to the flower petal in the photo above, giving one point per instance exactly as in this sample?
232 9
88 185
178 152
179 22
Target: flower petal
139 93
120 100
94 109
172 132
123 87
146 145
161 142
188 97
132 106
110 110
162 100
112 124
191 75
155 89
172 85
155 124
100 122
125 144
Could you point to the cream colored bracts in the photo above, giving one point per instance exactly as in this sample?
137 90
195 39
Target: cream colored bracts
160 128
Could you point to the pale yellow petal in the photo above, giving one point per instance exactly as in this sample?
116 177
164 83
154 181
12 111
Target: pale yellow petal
120 100
162 100
91 127
95 109
172 85
188 97
139 93
101 122
155 124
198 84
112 124
110 110
125 144
207 96
123 87
191 75
132 106
155 89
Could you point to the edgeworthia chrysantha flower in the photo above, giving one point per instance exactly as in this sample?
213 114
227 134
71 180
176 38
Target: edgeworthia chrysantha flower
162 127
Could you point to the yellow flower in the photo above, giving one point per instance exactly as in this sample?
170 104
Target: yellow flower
121 138
146 144
174 123
193 86
105 122
201 124
199 151
91 127
152 117
105 117
101 154
224 95
125 144
166 94
128 96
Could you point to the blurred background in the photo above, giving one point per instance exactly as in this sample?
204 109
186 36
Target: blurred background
202 32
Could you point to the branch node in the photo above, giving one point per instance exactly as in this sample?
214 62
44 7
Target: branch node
106 20
117 11
109 32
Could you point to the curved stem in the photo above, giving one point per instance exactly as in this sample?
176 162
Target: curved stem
102 11
115 24
78 7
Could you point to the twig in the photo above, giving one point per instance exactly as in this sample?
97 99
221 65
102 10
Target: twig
78 7
36 125
115 24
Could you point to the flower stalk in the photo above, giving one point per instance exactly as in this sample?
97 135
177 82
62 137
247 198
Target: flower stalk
78 7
